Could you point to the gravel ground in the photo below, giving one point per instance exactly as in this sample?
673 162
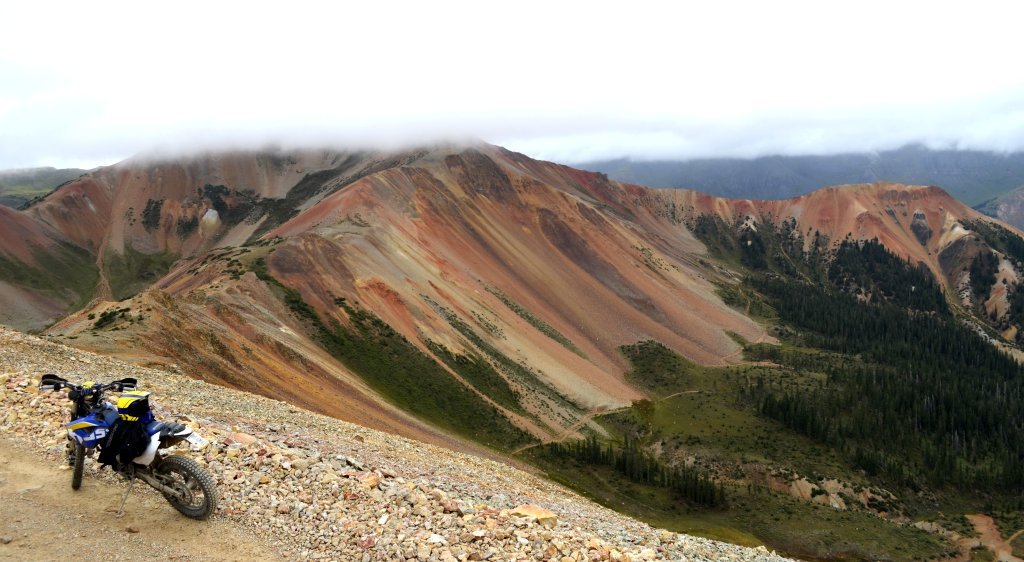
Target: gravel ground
319 488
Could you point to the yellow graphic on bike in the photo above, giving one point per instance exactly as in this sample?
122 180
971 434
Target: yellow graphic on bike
133 406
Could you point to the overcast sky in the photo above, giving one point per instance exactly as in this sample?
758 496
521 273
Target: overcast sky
89 83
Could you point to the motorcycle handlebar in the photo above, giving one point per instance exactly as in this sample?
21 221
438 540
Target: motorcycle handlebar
53 382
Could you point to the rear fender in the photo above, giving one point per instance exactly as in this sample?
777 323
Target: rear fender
169 440
146 458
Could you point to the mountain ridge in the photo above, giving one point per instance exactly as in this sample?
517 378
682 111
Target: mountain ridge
475 298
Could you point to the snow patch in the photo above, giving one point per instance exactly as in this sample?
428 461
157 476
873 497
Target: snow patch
209 223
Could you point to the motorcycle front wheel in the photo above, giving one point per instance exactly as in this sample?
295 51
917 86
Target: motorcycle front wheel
76 475
194 493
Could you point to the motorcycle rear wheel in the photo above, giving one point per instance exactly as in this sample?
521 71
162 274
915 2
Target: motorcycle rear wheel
76 475
195 492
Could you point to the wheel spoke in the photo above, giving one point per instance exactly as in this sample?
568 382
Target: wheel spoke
193 490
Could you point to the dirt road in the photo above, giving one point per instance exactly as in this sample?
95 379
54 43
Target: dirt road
571 430
989 537
46 520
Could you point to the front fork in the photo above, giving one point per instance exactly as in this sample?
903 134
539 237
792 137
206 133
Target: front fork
69 449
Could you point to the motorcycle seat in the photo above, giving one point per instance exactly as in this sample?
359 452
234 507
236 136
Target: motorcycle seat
166 429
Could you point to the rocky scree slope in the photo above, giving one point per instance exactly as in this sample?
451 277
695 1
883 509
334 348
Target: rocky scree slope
319 488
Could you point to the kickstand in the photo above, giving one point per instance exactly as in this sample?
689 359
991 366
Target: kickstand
131 484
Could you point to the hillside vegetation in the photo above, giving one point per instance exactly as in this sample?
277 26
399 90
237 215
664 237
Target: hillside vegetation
880 400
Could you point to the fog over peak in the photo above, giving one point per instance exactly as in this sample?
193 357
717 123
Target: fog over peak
84 85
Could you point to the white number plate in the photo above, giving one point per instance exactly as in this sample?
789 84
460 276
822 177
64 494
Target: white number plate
195 439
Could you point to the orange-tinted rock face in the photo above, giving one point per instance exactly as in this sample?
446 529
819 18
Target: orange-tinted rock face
554 268
106 209
915 222
170 208
473 221
20 234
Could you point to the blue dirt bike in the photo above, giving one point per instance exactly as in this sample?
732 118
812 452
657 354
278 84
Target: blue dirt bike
98 425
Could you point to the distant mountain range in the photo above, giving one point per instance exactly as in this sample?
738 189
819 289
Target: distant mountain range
973 177
18 187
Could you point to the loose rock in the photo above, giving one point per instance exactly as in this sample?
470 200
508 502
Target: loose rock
319 488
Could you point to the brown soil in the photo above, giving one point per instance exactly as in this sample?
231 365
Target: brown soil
46 520
988 537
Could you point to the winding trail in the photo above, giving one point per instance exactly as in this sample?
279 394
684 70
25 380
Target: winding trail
567 432
571 429
600 411
664 398
724 359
